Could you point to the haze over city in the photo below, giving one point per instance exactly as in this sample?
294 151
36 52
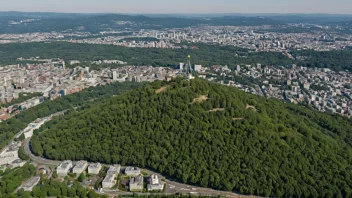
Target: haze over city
181 6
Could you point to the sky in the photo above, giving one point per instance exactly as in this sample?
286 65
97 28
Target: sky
179 6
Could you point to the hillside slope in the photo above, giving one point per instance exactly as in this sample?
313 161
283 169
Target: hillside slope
213 136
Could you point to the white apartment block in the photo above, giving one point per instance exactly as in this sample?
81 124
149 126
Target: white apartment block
80 167
155 183
132 171
94 168
64 168
110 179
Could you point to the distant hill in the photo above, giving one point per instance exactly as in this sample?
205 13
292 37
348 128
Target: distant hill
211 135
322 19
47 22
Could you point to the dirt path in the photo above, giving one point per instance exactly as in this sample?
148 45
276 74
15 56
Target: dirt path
200 99
164 88
251 107
236 119
216 109
161 89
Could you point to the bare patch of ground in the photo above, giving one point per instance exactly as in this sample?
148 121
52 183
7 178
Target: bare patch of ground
161 89
251 107
237 119
216 109
200 99
164 88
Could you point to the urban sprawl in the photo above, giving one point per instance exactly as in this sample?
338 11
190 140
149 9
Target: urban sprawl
259 38
324 89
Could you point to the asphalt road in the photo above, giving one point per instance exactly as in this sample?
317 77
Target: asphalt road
37 159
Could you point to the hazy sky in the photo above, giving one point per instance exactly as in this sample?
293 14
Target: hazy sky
180 6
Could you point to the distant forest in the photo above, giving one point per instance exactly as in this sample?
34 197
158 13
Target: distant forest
206 55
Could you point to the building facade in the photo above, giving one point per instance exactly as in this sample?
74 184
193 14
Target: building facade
94 168
155 183
64 168
110 179
80 167
132 171
136 183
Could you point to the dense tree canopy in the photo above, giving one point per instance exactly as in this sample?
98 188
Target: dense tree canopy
54 188
13 178
14 125
210 135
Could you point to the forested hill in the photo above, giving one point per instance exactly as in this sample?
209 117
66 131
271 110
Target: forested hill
211 135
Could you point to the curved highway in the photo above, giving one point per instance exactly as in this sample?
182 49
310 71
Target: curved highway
37 159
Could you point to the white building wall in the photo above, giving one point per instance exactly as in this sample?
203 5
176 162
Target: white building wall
8 157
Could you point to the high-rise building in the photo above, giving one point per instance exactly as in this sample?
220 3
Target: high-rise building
181 66
197 68
114 75
306 85
238 68
259 66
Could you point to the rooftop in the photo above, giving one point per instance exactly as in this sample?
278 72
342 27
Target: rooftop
31 182
65 164
115 169
136 180
132 169
17 161
95 165
109 178
154 179
81 164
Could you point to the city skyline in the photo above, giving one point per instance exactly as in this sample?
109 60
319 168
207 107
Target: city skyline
180 7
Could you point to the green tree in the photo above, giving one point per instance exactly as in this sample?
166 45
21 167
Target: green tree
81 177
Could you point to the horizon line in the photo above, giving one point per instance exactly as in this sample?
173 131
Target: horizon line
185 13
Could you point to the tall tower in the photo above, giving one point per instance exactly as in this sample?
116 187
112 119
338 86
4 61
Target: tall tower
189 68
